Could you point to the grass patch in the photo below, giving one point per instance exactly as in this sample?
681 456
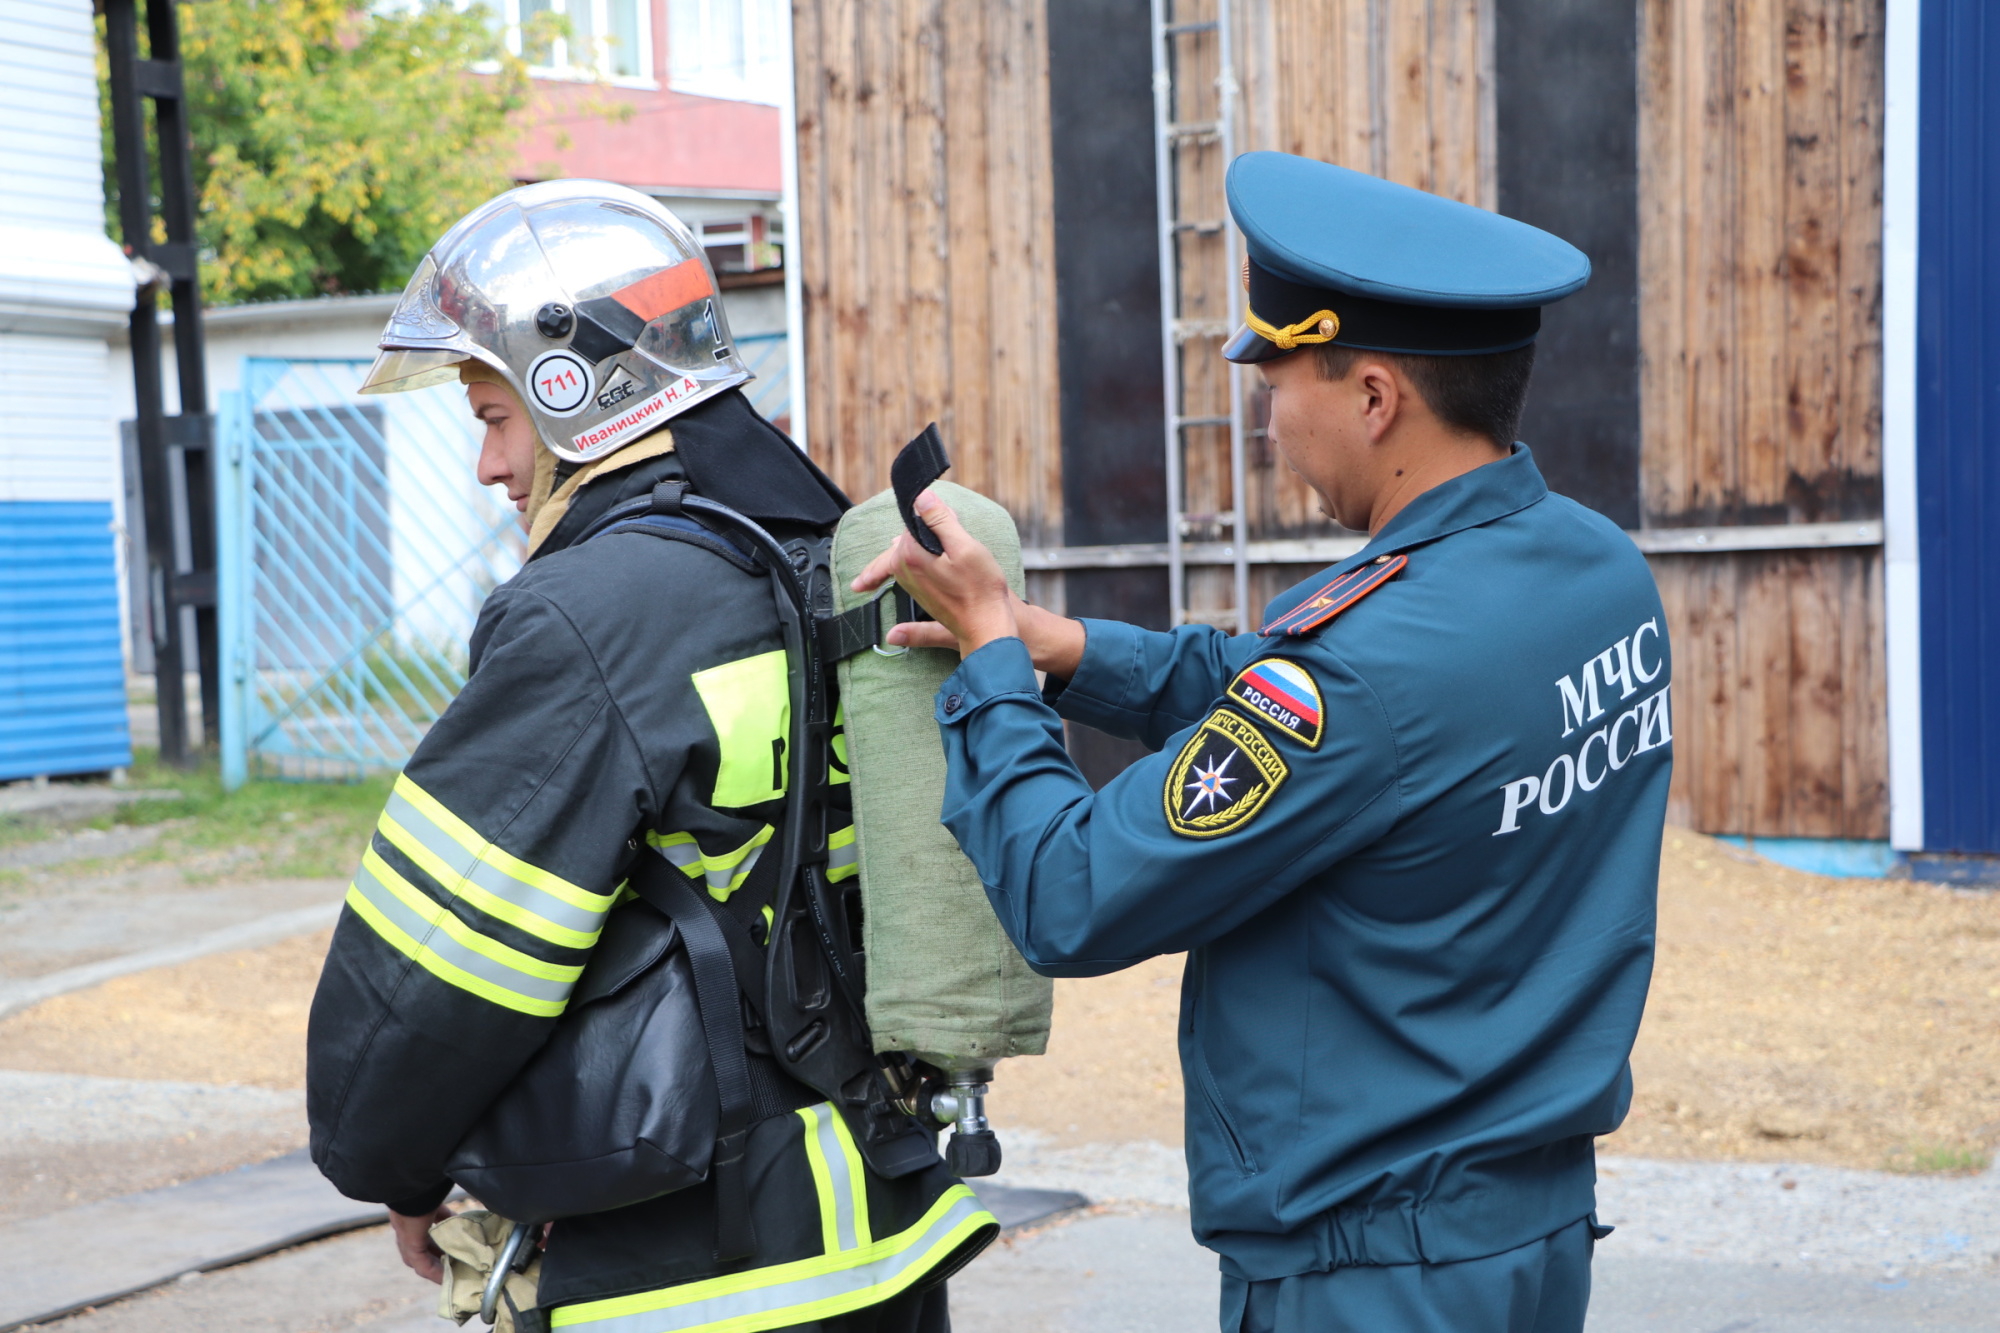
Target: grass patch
304 830
1939 1159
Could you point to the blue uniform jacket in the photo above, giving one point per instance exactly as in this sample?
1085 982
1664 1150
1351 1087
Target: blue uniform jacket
1419 924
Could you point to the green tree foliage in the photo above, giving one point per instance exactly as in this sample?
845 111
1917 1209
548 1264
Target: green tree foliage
334 141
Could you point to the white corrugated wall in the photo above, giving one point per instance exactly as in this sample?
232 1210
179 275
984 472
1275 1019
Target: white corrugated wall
64 287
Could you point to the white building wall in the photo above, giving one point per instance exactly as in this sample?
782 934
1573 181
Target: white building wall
63 284
59 434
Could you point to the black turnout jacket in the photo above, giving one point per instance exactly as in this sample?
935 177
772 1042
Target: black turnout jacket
627 698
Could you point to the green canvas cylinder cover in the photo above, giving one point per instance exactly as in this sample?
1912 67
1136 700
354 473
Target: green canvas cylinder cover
944 982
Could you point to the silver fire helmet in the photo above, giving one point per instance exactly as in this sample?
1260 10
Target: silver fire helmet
592 301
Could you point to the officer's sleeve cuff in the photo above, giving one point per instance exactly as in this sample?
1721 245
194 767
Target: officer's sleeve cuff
1000 669
1099 694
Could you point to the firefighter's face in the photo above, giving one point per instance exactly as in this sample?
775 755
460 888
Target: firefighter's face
507 453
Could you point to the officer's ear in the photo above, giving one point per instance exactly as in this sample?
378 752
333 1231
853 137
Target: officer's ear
1383 391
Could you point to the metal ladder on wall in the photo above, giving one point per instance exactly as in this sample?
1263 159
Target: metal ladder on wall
1198 258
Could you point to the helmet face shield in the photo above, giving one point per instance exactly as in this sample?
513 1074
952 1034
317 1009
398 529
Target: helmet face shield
397 371
595 303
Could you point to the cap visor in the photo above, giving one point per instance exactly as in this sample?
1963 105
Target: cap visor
1249 347
397 370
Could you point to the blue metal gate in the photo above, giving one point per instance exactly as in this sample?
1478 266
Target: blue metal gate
355 546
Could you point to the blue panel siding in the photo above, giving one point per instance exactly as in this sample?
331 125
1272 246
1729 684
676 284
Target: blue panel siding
62 674
1958 422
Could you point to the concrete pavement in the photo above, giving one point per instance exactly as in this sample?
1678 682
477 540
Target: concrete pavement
1116 1270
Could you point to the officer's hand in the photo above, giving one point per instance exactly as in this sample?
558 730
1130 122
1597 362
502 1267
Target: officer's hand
964 588
414 1244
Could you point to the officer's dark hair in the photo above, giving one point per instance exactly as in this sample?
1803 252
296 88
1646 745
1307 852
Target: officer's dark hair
1478 394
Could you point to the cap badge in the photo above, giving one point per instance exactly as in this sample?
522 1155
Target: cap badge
1321 326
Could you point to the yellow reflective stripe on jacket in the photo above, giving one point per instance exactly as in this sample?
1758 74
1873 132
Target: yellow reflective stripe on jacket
749 703
843 858
795 1293
723 873
836 767
379 874
427 933
465 865
837 1175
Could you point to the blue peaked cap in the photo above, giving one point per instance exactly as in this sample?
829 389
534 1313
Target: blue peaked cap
1339 257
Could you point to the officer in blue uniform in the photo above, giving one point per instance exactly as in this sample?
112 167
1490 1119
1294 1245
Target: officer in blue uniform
1408 834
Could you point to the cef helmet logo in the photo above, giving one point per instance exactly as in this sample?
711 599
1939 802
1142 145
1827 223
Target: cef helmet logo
560 383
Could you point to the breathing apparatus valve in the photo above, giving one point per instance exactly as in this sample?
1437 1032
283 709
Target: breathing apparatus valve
973 1149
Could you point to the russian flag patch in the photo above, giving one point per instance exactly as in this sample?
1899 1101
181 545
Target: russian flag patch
1283 692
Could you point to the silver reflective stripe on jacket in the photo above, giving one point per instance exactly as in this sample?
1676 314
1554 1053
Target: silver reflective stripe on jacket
723 873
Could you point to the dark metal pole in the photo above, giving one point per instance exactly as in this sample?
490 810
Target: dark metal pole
176 448
197 434
135 215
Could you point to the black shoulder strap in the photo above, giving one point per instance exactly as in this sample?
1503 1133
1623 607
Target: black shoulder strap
818 1032
715 991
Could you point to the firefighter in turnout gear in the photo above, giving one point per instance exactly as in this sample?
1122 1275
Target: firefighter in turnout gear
626 715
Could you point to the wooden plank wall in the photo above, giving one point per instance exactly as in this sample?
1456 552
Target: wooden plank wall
927 253
1760 253
1398 90
926 243
1778 716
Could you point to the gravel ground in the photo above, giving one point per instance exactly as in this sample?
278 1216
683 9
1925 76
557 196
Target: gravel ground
352 1281
1796 1217
230 1018
1849 1022
67 1140
84 845
1800 1028
1142 1173
70 1110
62 918
1801 1217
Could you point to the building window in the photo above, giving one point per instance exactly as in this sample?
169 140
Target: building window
580 39
729 48
743 245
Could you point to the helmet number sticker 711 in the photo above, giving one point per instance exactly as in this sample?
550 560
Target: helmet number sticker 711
559 382
1222 777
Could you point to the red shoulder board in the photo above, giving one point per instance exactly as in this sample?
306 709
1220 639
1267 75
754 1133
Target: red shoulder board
1336 597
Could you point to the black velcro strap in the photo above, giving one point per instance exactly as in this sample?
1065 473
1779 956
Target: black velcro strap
715 990
922 462
859 628
852 631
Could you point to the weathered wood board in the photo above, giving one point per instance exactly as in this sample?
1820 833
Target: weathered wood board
1760 253
926 243
1760 399
1780 725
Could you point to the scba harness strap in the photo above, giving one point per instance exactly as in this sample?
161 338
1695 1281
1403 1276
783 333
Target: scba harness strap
715 988
817 1032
